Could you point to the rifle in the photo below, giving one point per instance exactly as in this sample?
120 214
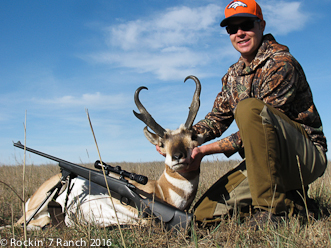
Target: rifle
129 194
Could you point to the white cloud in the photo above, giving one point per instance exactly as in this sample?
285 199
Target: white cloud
169 63
170 45
284 17
88 100
178 26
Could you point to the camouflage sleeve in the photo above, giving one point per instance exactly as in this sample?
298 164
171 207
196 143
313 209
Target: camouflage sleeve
231 144
279 86
216 121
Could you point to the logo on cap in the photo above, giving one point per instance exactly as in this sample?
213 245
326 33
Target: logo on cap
236 4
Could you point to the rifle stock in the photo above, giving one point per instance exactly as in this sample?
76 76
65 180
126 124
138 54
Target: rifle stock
171 216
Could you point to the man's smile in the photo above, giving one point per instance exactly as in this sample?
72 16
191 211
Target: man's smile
243 41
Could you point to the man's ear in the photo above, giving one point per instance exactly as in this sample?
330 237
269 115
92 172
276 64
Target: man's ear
262 25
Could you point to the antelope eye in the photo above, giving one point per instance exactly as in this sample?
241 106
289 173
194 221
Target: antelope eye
194 136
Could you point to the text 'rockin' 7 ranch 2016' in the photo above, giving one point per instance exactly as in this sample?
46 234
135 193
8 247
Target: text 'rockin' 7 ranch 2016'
55 242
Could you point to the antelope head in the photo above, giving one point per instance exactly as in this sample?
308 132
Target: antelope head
176 144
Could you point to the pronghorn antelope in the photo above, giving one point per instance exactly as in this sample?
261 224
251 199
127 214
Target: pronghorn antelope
89 202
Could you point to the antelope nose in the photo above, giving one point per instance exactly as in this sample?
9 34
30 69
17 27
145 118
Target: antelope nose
177 156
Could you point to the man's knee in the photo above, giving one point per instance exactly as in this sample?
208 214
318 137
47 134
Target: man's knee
248 109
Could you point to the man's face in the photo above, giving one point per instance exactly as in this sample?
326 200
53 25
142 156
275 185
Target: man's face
246 42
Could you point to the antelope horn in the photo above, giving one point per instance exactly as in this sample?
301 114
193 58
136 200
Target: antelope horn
195 102
145 117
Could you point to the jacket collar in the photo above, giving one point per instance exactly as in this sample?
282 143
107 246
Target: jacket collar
268 47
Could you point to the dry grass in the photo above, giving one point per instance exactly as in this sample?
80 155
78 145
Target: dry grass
226 234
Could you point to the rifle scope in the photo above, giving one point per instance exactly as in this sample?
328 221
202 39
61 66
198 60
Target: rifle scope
118 170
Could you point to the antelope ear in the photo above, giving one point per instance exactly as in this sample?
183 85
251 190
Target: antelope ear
152 137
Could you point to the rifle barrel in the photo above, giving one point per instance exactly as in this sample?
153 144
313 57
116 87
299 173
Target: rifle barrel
19 145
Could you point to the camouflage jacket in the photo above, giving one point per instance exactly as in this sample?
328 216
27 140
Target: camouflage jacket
276 78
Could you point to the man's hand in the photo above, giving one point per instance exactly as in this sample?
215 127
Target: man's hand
199 152
195 161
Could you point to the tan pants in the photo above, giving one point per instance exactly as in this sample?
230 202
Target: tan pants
279 158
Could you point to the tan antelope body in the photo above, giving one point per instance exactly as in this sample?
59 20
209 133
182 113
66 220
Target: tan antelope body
89 202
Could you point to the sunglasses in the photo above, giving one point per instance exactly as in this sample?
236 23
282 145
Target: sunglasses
244 26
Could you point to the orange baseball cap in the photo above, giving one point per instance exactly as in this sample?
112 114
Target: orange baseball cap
241 8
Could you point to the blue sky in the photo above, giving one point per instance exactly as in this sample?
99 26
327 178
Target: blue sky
59 58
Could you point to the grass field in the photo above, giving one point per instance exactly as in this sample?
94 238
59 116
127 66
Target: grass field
228 233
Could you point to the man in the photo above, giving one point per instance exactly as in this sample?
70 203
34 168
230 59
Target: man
280 130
